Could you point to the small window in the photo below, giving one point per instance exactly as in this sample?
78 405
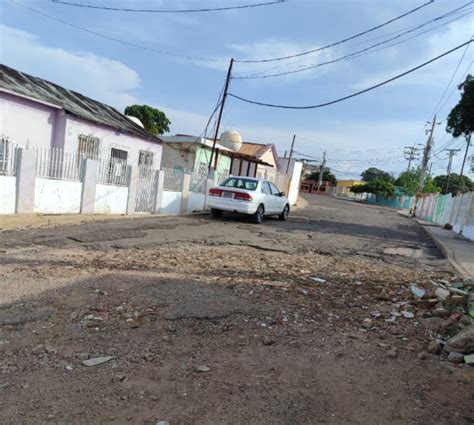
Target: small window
274 189
89 147
145 158
266 188
119 154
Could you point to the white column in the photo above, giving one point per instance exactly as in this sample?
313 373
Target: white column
89 185
159 191
185 194
132 183
25 181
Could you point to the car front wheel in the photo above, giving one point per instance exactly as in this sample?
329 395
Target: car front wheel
284 214
257 217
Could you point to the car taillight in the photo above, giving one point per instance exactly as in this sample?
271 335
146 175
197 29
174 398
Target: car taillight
242 196
214 192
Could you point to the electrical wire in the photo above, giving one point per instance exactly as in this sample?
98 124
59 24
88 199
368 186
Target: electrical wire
320 105
117 40
210 9
364 51
340 41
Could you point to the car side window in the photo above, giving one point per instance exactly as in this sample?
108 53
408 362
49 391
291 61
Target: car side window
266 188
275 190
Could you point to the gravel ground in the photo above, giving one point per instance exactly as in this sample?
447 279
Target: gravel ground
221 322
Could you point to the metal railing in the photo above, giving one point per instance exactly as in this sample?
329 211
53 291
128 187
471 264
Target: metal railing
198 182
221 176
8 157
113 171
173 180
54 163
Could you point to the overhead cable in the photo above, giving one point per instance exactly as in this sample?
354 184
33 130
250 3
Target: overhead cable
320 105
340 41
126 9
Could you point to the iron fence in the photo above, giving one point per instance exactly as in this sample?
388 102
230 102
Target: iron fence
221 176
54 163
173 180
8 157
198 182
113 171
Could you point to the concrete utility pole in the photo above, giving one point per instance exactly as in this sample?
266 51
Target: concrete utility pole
461 184
426 155
321 171
411 153
224 97
452 152
291 153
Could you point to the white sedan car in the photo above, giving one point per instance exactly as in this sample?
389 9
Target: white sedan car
247 195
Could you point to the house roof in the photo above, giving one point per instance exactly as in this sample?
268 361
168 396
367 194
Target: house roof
258 150
71 102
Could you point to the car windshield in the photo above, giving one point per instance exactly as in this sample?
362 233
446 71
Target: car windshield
240 183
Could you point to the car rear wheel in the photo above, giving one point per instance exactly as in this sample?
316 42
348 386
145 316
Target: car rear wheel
284 214
257 217
216 213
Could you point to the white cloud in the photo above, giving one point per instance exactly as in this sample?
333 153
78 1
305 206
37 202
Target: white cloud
101 78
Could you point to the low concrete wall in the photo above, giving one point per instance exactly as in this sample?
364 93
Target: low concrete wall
171 203
7 194
196 201
57 196
110 199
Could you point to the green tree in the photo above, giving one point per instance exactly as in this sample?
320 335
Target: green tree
454 183
380 188
154 121
373 173
327 176
409 181
461 117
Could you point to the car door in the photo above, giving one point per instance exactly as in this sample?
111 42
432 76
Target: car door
267 198
279 201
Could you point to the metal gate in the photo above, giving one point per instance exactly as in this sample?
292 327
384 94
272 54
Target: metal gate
146 189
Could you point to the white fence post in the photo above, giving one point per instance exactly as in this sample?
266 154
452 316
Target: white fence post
159 191
132 182
89 185
185 193
25 181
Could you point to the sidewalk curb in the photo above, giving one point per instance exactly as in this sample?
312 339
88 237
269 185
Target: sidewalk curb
445 250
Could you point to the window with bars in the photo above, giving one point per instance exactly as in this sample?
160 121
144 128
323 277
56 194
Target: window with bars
145 158
89 147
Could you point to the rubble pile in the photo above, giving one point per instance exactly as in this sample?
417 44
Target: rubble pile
447 311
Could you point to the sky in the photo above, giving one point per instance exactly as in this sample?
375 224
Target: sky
368 130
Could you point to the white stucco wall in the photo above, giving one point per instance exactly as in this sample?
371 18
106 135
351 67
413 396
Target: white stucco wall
26 122
110 199
57 196
196 201
7 194
171 202
110 139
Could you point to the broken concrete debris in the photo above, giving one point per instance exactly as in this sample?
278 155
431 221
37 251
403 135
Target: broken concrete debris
417 291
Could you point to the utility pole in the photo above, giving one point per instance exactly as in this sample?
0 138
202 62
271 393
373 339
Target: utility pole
224 97
426 155
411 153
452 152
291 153
461 183
321 171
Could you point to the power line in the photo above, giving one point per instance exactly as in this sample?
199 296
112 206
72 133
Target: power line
124 9
117 40
340 41
320 105
364 51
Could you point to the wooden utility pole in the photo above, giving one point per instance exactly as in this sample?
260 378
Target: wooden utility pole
411 153
426 156
291 153
221 110
461 184
321 171
452 152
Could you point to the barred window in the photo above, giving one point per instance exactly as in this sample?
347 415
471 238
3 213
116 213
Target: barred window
89 147
119 154
145 158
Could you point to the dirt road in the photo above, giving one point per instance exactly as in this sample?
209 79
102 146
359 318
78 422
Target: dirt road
209 321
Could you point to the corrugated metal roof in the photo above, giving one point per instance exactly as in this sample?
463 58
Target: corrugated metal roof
72 102
253 149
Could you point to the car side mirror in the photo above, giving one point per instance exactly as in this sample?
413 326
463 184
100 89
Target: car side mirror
281 194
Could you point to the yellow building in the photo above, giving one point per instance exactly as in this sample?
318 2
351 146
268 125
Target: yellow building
343 187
